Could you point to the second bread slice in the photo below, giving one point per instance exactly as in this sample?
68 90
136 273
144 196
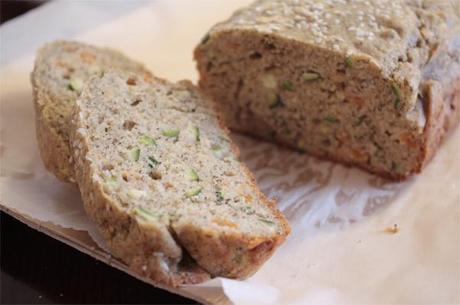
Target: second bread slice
162 180
61 69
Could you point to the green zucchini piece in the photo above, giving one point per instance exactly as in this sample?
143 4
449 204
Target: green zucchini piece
171 133
193 192
76 84
135 154
146 140
193 175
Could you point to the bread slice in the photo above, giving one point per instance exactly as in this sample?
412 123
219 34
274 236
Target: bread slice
370 83
61 69
162 180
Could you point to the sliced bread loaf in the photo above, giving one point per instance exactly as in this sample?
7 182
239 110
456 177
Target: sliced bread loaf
370 83
162 180
61 69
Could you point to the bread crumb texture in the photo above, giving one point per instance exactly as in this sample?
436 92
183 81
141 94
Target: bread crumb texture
156 169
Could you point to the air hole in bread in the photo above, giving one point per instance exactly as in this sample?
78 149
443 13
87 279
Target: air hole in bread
129 124
108 166
136 102
131 81
255 55
269 46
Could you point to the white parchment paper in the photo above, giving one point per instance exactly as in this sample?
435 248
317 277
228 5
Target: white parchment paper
342 249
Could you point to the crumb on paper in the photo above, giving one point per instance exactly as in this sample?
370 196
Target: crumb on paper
392 230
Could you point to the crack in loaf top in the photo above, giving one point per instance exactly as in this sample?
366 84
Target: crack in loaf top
383 30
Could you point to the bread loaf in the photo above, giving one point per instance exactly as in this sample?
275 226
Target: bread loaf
374 83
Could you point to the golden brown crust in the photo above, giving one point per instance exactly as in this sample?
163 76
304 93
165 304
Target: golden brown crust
233 255
442 107
54 150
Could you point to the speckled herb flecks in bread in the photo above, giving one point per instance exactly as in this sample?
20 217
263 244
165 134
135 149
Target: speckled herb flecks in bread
373 83
60 72
161 179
